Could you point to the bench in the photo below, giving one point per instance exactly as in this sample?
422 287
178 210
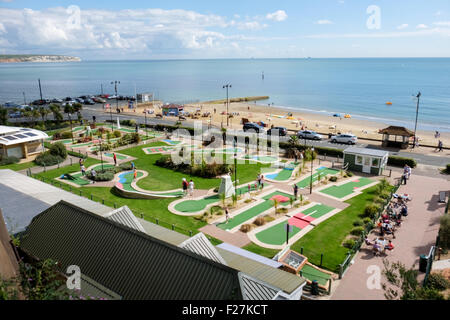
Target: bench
442 196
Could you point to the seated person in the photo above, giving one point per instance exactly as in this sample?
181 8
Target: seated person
367 241
389 246
404 211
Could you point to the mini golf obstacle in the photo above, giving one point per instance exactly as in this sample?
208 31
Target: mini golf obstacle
77 179
126 187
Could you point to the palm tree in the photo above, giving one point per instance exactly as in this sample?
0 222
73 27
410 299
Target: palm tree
56 110
275 204
35 115
77 107
69 109
43 112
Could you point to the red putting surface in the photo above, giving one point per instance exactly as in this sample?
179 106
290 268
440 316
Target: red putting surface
301 224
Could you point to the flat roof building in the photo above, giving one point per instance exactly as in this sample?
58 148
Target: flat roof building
22 143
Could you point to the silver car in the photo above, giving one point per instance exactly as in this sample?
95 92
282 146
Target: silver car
344 138
307 134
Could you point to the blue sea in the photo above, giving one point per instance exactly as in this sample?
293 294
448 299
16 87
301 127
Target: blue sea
360 87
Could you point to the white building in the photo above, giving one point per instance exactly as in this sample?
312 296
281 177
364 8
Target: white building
23 143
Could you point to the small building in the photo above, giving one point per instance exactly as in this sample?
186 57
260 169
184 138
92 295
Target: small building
22 143
396 137
366 160
172 109
144 97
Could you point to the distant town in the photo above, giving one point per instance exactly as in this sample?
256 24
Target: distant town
14 58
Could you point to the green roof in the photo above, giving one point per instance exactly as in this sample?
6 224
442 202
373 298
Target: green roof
128 262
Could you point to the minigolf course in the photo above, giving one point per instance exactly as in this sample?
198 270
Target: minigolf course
323 171
348 188
252 211
124 186
78 178
276 235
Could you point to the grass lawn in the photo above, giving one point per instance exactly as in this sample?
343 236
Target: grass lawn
19 166
328 236
268 253
75 167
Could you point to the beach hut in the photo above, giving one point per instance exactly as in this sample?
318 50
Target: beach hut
366 160
172 110
396 137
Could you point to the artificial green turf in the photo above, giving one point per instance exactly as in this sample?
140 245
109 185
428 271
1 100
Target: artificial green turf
129 179
323 172
251 212
347 188
19 166
75 167
312 274
268 253
284 175
317 211
196 205
261 158
276 235
119 156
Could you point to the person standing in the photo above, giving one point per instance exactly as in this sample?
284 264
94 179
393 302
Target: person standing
295 191
132 165
191 188
83 170
408 172
227 214
262 182
134 174
440 146
94 175
184 185
115 159
258 179
403 181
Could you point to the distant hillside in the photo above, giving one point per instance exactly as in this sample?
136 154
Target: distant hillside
12 58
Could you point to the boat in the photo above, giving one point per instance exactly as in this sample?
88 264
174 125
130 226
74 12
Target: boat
389 103
347 116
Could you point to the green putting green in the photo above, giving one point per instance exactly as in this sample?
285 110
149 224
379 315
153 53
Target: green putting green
317 211
119 156
261 158
347 189
127 178
276 235
252 212
78 179
312 274
196 205
284 175
323 172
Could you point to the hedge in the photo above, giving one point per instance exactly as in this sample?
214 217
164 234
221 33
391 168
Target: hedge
4 160
401 161
77 154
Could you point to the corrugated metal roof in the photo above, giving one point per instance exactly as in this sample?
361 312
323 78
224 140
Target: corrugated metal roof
200 245
366 151
92 288
129 263
278 278
125 216
254 289
250 255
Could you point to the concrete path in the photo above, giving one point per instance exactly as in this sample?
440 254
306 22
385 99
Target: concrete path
238 238
415 237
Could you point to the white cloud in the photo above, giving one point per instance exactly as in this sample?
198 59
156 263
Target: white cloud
402 26
445 32
279 15
251 25
442 23
324 22
422 26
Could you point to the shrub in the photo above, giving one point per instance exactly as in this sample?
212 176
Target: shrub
447 169
269 219
333 179
444 231
117 134
47 159
76 154
349 174
358 223
357 231
367 220
438 282
401 161
105 175
259 221
58 149
245 228
4 160
349 243
66 135
371 211
125 166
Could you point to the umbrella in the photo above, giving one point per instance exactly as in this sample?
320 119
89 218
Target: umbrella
280 198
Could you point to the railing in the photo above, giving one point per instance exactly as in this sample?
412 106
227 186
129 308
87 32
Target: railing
430 259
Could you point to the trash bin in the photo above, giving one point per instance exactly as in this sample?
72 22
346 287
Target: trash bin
423 262
315 288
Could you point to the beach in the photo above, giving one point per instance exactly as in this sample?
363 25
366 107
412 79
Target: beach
324 124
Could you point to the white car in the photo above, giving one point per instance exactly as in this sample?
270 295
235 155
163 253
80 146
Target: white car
344 138
307 134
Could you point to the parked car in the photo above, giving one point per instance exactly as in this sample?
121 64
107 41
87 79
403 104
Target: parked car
79 100
307 134
282 131
253 126
67 98
56 100
99 100
10 104
16 114
88 101
344 138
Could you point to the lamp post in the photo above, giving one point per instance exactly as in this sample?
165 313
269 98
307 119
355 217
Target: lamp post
235 166
115 83
417 115
228 116
101 155
312 160
145 116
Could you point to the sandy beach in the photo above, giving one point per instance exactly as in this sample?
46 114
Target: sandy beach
275 116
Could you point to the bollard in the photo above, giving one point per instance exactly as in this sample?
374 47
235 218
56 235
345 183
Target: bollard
301 250
321 259
190 233
173 227
70 188
80 193
115 206
71 161
157 221
103 201
92 198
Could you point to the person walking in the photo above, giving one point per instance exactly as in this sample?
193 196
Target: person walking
132 165
191 188
93 174
83 170
440 146
115 159
262 182
184 185
295 191
227 214
403 179
134 174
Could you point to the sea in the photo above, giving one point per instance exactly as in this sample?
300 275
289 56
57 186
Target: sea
359 87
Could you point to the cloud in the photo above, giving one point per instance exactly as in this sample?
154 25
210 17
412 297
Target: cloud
442 23
251 25
324 22
279 15
402 26
445 32
422 26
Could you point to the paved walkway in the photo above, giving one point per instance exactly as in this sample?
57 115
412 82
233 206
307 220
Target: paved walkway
415 237
238 238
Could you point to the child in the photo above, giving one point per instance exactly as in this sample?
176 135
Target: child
227 215
191 188
134 174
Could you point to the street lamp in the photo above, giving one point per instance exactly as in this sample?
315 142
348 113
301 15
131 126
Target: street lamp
115 83
235 165
312 160
146 132
228 116
101 155
417 115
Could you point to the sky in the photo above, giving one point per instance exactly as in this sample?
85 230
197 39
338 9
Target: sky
178 29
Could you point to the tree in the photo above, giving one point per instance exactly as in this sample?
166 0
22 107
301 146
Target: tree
3 116
275 204
70 109
35 115
56 110
43 112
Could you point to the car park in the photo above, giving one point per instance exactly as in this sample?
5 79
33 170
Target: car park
308 134
344 138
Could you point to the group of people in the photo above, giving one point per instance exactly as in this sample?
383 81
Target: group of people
406 174
380 245
83 170
260 181
187 186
